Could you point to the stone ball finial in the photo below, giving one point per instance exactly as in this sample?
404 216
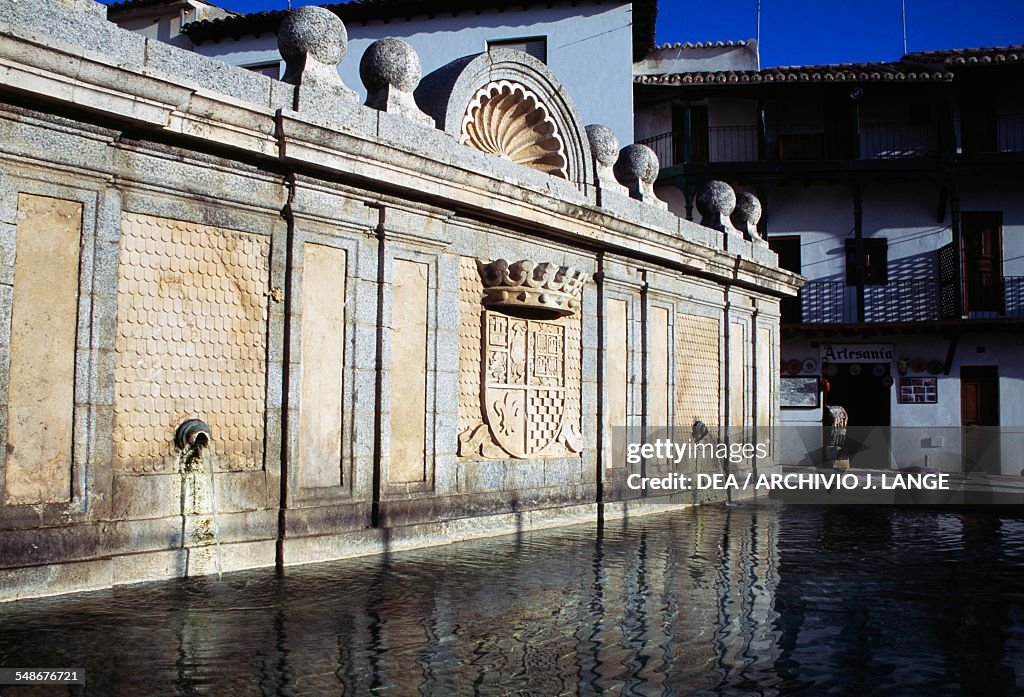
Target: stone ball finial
637 169
312 31
748 210
604 145
637 163
716 200
390 62
747 215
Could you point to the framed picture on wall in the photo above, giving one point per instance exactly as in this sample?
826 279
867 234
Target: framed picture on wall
800 392
919 390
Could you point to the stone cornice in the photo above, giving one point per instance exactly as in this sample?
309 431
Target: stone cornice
357 145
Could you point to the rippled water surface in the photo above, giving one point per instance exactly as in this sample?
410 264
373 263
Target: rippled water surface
751 600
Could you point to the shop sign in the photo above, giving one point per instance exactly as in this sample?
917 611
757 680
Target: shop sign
856 353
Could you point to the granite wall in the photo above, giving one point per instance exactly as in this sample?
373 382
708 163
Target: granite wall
402 325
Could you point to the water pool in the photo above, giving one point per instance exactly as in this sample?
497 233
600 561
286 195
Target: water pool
759 599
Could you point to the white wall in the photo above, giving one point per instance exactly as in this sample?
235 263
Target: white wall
690 59
822 216
904 213
653 121
1004 195
590 49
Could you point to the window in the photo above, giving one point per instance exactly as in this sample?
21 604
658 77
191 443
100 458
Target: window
876 262
536 46
270 69
788 249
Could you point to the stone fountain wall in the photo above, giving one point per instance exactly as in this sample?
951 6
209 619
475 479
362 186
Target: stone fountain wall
402 327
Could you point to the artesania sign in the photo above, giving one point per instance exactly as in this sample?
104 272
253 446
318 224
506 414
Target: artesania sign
856 353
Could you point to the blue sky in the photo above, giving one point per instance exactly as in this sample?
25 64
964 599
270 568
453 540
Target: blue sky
802 32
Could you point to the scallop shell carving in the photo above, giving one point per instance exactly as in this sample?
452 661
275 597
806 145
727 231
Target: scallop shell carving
506 119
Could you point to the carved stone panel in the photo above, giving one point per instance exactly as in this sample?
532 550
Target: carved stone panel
737 377
42 351
524 395
658 384
191 342
410 290
323 363
616 377
766 360
521 380
698 387
507 119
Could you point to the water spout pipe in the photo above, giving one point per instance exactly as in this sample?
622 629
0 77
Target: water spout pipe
192 434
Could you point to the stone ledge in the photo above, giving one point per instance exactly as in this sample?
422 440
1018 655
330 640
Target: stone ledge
455 176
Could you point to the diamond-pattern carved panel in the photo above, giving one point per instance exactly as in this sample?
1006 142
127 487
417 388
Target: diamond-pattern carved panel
191 342
471 291
698 390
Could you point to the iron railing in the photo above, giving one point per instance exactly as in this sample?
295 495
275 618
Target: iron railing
1010 133
891 141
878 141
900 300
733 143
824 302
725 144
1013 296
663 146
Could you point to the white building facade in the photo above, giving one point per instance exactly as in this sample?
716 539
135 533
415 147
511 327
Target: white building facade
896 189
567 36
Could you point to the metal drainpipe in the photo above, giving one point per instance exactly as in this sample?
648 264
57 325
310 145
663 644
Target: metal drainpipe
378 419
645 353
602 435
755 366
285 469
726 364
954 224
858 237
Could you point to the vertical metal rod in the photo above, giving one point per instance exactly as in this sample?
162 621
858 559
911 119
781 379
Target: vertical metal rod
602 408
858 236
380 233
903 12
757 33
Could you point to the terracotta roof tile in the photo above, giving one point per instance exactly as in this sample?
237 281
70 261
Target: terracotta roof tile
704 44
848 72
994 55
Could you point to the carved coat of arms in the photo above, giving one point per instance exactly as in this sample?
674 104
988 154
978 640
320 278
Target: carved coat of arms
524 382
523 362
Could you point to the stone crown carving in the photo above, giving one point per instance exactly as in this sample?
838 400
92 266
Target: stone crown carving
531 286
506 119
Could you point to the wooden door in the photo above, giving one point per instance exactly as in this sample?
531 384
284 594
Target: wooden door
983 262
690 124
979 409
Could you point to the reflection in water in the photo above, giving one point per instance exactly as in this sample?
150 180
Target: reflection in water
750 600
